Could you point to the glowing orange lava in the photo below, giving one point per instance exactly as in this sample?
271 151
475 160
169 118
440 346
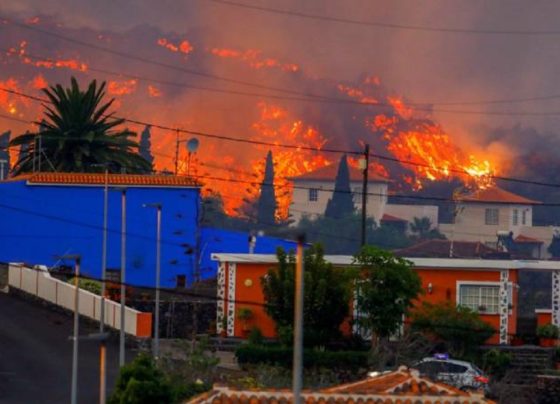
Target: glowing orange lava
121 87
183 46
253 58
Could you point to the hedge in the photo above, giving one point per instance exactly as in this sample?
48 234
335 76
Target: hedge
282 356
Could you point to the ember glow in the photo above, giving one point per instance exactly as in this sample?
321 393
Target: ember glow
121 87
183 46
254 59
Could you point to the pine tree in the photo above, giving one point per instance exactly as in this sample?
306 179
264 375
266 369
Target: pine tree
341 204
146 145
267 200
4 154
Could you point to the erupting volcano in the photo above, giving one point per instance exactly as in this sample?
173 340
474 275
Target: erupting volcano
313 113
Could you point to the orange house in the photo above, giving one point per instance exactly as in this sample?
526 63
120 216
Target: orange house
487 286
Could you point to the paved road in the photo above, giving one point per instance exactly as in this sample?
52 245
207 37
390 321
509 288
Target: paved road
36 355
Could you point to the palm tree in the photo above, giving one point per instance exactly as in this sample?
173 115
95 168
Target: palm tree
79 135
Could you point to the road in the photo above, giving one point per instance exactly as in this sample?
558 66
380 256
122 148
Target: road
36 355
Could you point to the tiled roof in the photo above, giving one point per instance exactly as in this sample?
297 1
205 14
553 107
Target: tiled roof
497 195
402 386
135 180
527 240
391 218
328 173
436 248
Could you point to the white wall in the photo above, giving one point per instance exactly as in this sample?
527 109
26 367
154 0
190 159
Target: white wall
302 206
409 212
40 283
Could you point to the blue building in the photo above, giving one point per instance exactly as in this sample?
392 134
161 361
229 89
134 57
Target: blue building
44 216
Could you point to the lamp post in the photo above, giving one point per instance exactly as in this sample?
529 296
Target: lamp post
298 323
123 278
74 391
158 208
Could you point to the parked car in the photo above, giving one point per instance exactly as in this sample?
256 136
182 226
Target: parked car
460 374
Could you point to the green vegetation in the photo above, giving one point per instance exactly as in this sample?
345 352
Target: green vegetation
496 363
326 297
79 134
283 356
141 382
548 331
266 206
88 284
341 205
458 328
386 290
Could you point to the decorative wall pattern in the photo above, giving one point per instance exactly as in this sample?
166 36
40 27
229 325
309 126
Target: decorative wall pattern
220 306
556 297
231 300
504 306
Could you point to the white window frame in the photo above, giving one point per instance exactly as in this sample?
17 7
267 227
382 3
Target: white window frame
487 216
313 194
482 284
524 217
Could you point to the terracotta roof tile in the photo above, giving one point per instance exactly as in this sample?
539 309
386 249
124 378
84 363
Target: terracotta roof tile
328 173
390 218
497 195
527 240
436 248
114 179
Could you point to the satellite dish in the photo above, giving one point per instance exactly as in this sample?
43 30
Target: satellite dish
192 145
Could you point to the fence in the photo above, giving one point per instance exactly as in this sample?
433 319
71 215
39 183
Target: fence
38 282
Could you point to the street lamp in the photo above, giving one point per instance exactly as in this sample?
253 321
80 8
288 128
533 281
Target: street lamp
123 278
158 208
74 391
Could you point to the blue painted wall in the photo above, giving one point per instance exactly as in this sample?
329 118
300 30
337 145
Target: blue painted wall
40 222
228 241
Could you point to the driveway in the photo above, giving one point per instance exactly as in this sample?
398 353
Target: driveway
36 355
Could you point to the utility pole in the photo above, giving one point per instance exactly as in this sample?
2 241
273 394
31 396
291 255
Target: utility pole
102 347
297 372
158 206
74 393
123 280
177 153
2 163
365 167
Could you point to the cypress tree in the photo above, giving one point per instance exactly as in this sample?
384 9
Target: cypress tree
4 153
341 203
146 145
267 200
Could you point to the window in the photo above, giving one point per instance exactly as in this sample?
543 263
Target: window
313 195
480 298
491 216
515 217
524 217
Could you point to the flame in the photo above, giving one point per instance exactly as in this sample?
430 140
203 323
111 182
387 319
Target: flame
153 91
183 46
33 21
39 82
253 58
121 87
353 92
72 64
9 102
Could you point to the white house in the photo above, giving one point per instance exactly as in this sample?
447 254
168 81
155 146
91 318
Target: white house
483 214
313 190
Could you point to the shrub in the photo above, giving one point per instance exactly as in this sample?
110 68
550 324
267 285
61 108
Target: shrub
142 382
548 331
459 328
496 362
282 356
255 336
88 284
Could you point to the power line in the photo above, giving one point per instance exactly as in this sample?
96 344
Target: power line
385 25
417 105
296 147
262 86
